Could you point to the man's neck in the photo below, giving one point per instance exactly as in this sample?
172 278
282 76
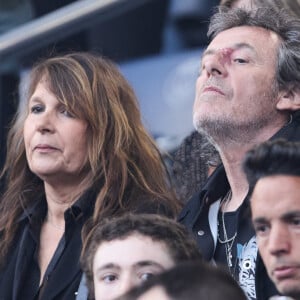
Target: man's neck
238 184
232 159
232 152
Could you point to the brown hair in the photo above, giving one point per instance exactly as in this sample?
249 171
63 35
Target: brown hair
122 157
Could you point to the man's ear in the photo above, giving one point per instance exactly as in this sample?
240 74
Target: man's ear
289 100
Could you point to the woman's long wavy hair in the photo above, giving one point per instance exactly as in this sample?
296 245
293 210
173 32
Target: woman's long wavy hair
122 156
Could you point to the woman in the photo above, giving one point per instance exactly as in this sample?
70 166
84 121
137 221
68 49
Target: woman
77 151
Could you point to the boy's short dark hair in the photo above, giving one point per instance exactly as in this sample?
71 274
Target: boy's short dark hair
181 246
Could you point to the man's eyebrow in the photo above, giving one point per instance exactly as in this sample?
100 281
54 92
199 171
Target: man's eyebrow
259 220
290 215
285 217
236 46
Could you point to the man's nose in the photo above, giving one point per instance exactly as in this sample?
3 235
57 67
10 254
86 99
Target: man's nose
215 64
279 241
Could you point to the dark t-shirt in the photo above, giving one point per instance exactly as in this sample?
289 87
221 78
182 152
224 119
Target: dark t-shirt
243 250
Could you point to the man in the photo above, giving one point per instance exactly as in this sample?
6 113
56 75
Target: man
123 252
247 93
273 172
188 281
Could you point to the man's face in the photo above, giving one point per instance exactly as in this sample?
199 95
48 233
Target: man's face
275 205
236 91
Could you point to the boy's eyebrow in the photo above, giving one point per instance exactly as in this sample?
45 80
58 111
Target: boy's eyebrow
108 266
144 263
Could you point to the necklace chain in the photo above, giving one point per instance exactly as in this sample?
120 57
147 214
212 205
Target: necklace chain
228 242
62 228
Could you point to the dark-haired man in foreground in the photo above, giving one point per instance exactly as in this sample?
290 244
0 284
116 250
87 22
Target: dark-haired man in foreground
273 172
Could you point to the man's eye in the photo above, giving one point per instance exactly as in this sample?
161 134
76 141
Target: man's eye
240 60
296 221
261 230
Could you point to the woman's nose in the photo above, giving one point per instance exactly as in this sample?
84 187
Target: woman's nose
45 122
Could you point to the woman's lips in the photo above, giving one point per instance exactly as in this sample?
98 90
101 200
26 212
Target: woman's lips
45 148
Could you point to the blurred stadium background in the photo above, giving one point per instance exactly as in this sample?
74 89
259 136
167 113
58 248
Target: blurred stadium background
156 43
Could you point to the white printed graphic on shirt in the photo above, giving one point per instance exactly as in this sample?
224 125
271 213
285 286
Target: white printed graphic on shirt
247 254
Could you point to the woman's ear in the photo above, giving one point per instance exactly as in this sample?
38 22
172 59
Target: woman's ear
289 100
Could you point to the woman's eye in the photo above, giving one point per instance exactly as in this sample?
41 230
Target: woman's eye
36 109
65 112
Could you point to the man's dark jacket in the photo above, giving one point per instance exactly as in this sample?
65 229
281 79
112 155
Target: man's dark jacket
195 215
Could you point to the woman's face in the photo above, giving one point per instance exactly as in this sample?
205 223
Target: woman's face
122 264
55 141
